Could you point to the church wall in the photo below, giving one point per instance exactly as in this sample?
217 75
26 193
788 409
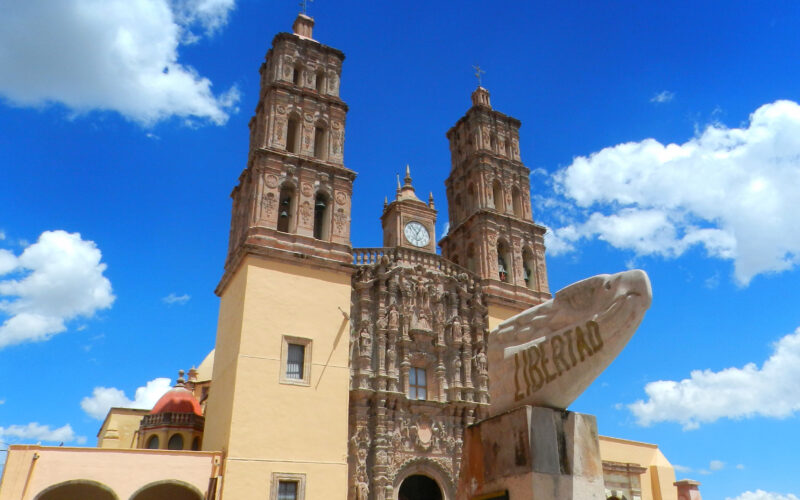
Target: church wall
120 429
220 400
278 425
658 482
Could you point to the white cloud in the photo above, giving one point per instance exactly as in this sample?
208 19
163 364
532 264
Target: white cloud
740 466
662 97
113 55
36 432
732 191
104 398
176 299
2 235
706 396
681 468
763 495
716 465
62 278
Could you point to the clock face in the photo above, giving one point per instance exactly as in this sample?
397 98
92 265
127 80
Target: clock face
416 234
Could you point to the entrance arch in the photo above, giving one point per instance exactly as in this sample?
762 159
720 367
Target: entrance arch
419 487
168 490
77 488
422 479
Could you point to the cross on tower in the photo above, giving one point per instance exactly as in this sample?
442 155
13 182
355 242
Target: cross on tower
304 5
478 73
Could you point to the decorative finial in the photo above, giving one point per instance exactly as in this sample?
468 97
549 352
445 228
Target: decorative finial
180 378
408 175
430 200
399 186
304 6
385 202
478 73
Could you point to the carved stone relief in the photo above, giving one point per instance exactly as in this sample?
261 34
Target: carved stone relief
416 318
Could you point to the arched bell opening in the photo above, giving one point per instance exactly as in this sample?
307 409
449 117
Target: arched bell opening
503 262
320 141
498 197
516 201
293 134
287 203
528 268
322 216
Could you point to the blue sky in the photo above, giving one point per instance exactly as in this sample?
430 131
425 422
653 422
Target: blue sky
665 137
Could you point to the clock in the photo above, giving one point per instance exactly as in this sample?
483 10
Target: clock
416 234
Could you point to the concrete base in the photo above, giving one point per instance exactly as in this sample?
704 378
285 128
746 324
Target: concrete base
532 453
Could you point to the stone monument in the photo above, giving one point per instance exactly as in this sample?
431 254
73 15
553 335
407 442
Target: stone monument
540 361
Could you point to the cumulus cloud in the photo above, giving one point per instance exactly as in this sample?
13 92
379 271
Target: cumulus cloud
61 278
662 97
763 495
706 396
37 432
104 398
111 55
731 191
176 299
681 468
716 465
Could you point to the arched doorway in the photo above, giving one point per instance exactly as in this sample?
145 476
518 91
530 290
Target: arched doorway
78 488
419 487
168 490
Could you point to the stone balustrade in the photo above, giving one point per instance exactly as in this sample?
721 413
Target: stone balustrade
409 257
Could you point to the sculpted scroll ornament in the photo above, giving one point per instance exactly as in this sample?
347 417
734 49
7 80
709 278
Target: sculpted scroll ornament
549 354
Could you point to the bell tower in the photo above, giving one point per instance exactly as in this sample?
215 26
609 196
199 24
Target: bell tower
282 335
408 221
295 193
492 232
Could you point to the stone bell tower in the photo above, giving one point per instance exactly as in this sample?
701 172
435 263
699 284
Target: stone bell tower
492 232
408 221
282 335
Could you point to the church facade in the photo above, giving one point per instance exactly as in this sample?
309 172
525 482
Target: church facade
340 372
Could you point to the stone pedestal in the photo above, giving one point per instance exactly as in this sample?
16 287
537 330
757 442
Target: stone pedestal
688 489
532 453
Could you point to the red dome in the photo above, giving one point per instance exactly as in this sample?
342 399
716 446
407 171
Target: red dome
177 400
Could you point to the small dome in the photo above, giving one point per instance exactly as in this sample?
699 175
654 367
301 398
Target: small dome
179 399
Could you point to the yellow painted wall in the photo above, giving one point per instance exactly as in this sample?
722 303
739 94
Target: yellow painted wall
497 314
31 469
271 426
657 482
120 429
220 399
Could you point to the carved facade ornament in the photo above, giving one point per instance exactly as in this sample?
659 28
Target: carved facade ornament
271 181
307 189
341 198
306 212
267 203
340 222
405 319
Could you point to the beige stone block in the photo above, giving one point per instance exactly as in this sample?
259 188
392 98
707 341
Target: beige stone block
533 453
